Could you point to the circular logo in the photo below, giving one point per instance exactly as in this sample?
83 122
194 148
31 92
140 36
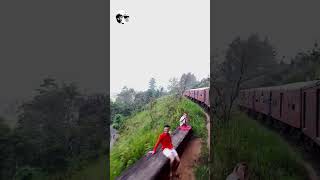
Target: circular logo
122 17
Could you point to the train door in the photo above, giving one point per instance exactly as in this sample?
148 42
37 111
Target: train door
253 100
317 113
304 110
281 102
197 94
204 97
270 103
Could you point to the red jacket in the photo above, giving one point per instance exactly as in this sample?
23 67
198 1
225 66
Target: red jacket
165 140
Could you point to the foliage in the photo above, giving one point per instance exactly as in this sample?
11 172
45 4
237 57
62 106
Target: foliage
272 157
129 101
57 125
304 66
244 60
29 173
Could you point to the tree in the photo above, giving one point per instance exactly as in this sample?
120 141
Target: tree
7 156
173 86
152 84
126 96
187 81
244 60
205 82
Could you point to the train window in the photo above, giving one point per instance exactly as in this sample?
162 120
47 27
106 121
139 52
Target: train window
293 107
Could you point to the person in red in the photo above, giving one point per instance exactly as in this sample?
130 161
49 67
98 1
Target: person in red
167 147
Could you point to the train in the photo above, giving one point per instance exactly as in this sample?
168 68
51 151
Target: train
199 95
296 105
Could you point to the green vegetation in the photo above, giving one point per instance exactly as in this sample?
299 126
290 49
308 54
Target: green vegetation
129 102
248 63
58 131
202 169
140 131
244 140
94 170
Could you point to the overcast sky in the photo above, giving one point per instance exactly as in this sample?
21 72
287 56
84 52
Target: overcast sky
61 39
163 39
291 25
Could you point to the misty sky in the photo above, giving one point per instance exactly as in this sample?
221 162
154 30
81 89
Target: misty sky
61 39
291 25
163 39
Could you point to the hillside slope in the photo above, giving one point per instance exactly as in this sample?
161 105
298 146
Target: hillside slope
141 130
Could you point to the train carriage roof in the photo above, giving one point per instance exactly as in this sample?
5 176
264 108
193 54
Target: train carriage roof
200 88
291 86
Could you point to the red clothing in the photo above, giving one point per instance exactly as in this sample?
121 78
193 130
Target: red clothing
165 140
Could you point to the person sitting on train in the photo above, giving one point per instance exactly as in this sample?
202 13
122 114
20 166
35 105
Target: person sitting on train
184 119
167 149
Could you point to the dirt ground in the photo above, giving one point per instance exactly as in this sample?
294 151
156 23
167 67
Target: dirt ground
190 157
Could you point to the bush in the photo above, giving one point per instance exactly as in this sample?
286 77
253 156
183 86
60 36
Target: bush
29 173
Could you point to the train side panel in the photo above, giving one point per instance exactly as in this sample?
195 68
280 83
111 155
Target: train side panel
275 103
207 100
201 96
310 113
292 106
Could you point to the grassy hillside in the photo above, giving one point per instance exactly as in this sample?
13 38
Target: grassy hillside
140 131
268 156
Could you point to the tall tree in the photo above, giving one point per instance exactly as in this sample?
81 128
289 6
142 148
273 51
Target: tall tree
126 96
244 60
187 81
173 86
152 84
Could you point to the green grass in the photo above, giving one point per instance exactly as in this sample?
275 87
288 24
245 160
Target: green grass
202 169
267 154
140 132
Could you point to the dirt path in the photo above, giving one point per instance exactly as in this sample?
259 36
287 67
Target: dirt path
189 159
191 155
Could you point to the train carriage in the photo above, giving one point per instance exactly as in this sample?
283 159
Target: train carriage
295 104
200 95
